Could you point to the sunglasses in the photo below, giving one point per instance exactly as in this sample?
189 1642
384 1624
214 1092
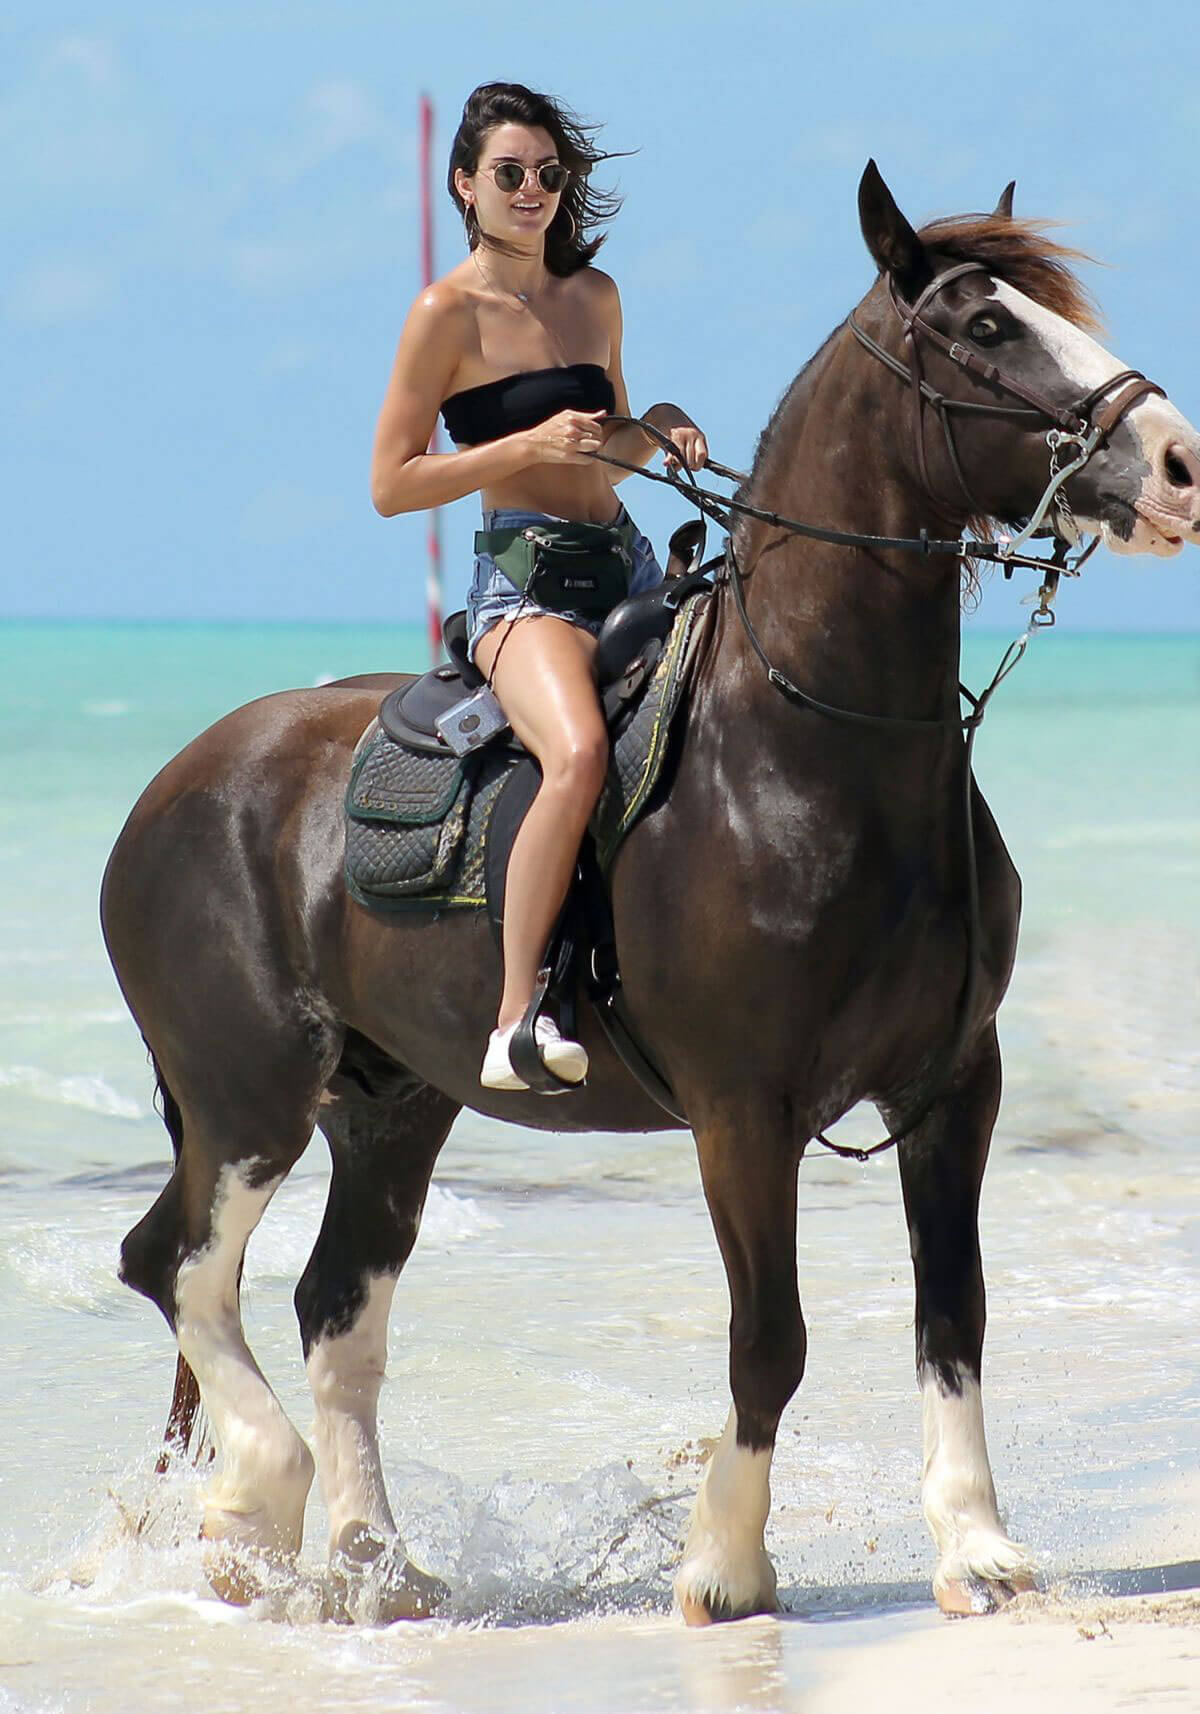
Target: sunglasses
509 176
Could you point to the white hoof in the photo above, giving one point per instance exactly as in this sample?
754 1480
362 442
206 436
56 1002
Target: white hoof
248 1538
982 1573
375 1582
711 1588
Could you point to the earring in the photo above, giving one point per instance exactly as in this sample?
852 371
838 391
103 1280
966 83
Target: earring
471 223
574 227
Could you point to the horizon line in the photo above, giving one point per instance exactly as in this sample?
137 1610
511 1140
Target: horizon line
988 627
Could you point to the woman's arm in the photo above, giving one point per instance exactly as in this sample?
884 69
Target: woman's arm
407 478
625 440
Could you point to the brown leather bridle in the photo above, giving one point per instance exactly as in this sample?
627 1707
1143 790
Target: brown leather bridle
1071 425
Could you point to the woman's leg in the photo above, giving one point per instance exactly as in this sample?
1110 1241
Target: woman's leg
545 684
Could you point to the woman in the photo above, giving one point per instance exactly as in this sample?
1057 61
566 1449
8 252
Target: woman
520 346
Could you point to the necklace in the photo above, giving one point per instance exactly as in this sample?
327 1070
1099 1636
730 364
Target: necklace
523 298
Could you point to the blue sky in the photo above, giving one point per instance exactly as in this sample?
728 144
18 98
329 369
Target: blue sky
212 242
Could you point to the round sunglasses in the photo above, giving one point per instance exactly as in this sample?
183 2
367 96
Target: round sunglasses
509 176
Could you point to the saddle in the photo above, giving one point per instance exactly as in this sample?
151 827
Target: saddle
427 829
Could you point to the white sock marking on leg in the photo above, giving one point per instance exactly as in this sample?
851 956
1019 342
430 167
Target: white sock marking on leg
724 1559
345 1372
267 1469
957 1492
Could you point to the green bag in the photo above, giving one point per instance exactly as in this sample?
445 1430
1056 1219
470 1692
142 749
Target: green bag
565 567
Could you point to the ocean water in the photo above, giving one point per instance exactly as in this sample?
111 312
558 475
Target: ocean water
558 1344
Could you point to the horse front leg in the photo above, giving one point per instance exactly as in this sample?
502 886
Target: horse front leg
941 1169
749 1174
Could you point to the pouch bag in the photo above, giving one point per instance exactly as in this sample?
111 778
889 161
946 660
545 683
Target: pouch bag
565 567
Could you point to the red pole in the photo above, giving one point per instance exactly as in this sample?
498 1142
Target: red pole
433 583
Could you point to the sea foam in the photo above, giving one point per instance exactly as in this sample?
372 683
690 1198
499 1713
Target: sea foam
85 1090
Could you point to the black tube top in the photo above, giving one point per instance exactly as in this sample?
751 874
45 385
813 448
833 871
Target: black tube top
522 401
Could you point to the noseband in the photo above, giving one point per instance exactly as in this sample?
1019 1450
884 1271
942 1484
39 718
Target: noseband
1072 425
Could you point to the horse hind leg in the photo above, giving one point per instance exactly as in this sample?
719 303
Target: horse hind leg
186 1255
384 1130
941 1168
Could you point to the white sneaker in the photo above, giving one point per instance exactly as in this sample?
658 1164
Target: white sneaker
566 1059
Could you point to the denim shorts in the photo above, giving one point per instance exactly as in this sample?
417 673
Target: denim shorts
493 597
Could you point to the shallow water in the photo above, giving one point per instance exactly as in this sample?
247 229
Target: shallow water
558 1343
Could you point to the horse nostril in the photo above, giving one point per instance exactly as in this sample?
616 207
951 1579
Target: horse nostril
1178 472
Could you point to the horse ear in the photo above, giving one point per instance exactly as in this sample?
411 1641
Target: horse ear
1004 207
890 239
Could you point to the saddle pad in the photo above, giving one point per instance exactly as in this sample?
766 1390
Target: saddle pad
412 859
417 824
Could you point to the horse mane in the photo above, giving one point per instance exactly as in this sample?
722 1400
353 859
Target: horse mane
1022 253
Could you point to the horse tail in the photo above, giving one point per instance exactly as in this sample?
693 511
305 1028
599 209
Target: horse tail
172 1118
185 1401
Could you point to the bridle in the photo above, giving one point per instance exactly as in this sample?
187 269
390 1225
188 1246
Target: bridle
1071 425
1083 426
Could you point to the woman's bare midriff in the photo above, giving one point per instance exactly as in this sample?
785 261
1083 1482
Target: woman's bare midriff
561 491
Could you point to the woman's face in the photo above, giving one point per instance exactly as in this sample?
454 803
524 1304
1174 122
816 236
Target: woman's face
515 215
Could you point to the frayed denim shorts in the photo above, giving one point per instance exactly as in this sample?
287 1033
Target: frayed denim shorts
492 597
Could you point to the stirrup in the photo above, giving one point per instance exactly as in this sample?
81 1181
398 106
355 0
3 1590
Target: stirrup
524 1054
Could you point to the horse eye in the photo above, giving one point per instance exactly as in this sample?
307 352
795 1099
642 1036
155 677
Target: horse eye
984 330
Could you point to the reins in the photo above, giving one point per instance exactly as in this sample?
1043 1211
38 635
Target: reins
718 507
1074 426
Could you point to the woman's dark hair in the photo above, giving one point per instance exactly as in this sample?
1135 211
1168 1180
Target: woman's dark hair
569 241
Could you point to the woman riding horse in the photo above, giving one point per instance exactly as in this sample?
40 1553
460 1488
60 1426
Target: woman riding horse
793 916
520 345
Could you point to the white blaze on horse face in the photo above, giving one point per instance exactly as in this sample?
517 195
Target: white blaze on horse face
258 1498
959 1497
1168 499
725 1565
346 1371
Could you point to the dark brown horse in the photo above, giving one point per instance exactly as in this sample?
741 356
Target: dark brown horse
791 921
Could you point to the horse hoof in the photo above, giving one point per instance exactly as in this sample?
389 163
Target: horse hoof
971 1597
705 1597
245 1553
240 1576
411 1594
376 1583
695 1613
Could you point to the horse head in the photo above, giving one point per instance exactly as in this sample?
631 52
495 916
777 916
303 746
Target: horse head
985 311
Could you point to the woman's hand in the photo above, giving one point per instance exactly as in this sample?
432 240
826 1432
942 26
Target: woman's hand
568 438
692 447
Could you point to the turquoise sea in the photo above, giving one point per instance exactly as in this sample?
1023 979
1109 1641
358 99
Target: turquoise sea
558 1339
